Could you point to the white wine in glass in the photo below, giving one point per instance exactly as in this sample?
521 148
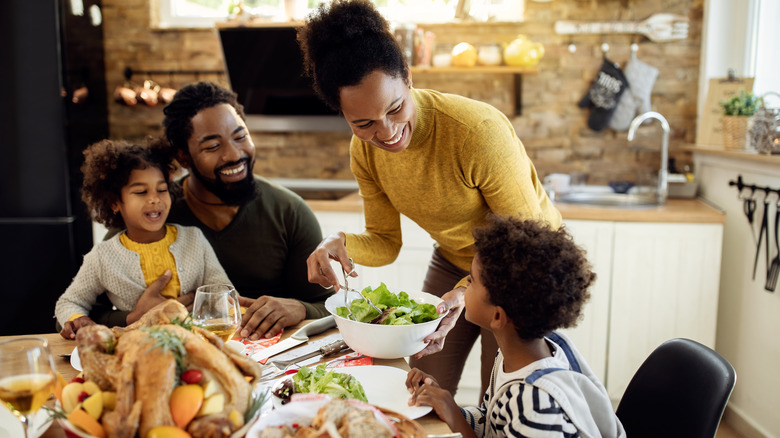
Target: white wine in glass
26 376
216 309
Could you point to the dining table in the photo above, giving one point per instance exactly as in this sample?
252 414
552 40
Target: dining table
62 348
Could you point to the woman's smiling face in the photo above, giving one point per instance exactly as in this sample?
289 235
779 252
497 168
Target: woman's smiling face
380 110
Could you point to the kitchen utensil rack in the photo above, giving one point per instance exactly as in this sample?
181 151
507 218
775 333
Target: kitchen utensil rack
129 72
753 188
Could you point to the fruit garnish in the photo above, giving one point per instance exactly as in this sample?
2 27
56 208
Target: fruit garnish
192 376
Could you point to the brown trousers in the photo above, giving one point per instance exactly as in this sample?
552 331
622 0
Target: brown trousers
446 366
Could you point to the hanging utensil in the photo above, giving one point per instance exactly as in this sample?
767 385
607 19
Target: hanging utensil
774 269
764 225
750 209
657 28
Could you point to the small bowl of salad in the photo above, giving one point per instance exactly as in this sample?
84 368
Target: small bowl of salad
406 319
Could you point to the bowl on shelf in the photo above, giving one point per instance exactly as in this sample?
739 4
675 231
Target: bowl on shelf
620 186
383 341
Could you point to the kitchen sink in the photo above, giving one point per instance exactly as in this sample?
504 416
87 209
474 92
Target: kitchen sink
316 194
609 199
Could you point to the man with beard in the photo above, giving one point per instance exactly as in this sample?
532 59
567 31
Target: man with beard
262 233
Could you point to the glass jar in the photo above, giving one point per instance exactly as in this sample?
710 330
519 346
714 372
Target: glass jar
442 55
489 54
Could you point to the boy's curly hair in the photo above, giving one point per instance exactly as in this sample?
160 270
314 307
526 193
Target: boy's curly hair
538 275
107 167
344 41
189 101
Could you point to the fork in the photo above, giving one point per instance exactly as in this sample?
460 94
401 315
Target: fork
347 290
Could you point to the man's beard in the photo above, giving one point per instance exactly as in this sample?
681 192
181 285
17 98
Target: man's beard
237 193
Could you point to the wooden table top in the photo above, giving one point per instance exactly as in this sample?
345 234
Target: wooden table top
58 345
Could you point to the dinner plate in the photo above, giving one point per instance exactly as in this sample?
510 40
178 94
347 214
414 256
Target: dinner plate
385 387
75 361
10 425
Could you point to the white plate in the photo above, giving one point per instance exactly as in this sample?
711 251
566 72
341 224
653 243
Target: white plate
385 387
75 361
10 425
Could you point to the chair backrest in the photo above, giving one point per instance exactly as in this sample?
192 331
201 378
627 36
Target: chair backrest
680 390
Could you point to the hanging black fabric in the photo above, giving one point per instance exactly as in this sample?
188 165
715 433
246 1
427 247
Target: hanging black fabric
604 94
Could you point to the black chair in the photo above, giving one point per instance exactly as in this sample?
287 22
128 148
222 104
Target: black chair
680 390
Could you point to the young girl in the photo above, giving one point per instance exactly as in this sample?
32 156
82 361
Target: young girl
527 280
126 186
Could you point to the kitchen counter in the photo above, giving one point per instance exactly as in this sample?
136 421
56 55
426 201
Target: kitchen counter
675 210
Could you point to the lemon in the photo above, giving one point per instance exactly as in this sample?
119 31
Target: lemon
464 55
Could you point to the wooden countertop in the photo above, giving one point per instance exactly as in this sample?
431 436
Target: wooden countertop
58 345
675 210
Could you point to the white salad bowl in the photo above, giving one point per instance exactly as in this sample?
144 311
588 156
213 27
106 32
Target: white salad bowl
383 341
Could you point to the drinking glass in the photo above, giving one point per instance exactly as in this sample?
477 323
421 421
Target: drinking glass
216 309
26 376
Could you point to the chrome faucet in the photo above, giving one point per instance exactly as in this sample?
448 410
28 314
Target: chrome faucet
663 172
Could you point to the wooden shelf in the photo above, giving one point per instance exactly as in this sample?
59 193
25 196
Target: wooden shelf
517 72
500 69
749 155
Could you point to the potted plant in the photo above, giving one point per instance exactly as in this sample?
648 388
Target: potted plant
737 112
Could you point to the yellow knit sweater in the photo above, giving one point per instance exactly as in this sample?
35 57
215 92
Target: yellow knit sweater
464 161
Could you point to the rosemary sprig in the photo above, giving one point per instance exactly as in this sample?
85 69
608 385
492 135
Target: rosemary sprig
170 342
186 323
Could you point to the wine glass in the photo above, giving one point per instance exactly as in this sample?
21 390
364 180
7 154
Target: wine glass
26 376
216 309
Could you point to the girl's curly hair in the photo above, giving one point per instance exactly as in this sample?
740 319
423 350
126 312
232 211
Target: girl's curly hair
189 101
107 167
538 275
344 41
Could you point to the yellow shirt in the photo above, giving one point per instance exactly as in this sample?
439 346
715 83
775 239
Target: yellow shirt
156 258
464 161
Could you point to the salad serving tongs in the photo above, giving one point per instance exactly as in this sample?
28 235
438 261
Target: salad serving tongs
348 290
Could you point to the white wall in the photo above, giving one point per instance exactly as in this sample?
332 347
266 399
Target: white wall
748 333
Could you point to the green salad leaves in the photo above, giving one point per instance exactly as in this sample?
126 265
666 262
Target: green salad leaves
402 310
323 381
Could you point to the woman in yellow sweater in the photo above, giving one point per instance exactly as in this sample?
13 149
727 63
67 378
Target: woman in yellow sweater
442 160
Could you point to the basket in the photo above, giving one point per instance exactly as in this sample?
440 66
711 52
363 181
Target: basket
735 129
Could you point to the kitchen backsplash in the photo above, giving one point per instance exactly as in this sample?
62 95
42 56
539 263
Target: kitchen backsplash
552 126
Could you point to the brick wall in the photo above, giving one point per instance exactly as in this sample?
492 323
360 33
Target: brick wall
551 126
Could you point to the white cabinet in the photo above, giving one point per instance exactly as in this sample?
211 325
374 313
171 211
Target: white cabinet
665 282
591 333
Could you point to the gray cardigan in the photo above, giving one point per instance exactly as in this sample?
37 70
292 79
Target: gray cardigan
110 267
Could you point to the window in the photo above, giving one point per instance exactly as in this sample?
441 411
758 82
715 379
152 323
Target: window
205 13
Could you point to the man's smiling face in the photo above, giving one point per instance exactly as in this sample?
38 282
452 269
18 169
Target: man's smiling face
221 154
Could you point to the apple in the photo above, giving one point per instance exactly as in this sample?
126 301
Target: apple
212 405
70 396
94 405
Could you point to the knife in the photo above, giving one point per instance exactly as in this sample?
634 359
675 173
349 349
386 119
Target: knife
325 350
297 338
